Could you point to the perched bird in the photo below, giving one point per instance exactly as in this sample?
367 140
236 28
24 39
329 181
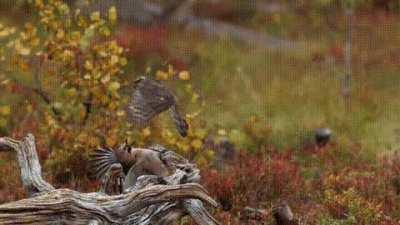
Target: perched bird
322 136
151 98
225 153
283 214
227 149
140 161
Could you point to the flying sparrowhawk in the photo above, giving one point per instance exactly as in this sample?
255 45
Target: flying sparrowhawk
151 98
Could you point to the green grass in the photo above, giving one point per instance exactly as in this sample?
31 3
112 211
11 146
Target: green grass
295 95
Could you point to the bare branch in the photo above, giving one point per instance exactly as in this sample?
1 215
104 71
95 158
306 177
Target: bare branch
28 160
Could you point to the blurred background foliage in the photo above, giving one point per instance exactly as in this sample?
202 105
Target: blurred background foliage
66 72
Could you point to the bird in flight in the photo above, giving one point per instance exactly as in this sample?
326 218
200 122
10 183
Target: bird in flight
151 98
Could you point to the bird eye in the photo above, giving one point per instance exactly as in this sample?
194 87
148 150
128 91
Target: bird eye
128 149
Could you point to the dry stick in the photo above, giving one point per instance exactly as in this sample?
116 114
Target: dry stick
346 85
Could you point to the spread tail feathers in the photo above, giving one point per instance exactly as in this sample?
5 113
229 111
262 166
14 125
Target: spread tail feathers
101 161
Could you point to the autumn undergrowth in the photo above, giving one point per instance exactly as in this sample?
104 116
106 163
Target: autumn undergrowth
266 102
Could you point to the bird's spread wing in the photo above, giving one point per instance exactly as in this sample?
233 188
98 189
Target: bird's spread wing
148 99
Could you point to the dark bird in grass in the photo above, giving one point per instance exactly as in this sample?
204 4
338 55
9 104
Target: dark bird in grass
322 136
151 98
283 214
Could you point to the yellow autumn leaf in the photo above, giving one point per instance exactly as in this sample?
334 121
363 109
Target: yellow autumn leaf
105 31
88 65
4 33
170 70
5 82
105 79
201 161
60 33
86 76
171 141
189 88
111 140
114 59
95 16
75 35
72 92
3 122
222 132
29 108
24 51
87 36
210 154
120 113
114 86
5 110
93 142
67 55
161 75
35 42
196 144
123 61
57 105
183 146
166 133
148 69
112 14
63 9
184 75
195 97
12 30
21 49
200 133
146 132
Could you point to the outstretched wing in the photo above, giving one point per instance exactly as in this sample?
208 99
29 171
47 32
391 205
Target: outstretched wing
149 99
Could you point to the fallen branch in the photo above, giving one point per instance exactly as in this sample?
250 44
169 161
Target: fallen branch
64 205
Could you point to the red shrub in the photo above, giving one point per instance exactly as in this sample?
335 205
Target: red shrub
254 180
148 42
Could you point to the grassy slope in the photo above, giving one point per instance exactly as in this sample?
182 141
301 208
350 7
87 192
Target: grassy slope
295 94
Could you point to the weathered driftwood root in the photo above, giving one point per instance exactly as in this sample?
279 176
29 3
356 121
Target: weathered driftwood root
31 171
71 207
147 202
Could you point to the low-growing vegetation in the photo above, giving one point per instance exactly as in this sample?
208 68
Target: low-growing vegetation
66 76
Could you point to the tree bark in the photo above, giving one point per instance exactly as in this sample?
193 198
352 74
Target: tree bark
148 202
